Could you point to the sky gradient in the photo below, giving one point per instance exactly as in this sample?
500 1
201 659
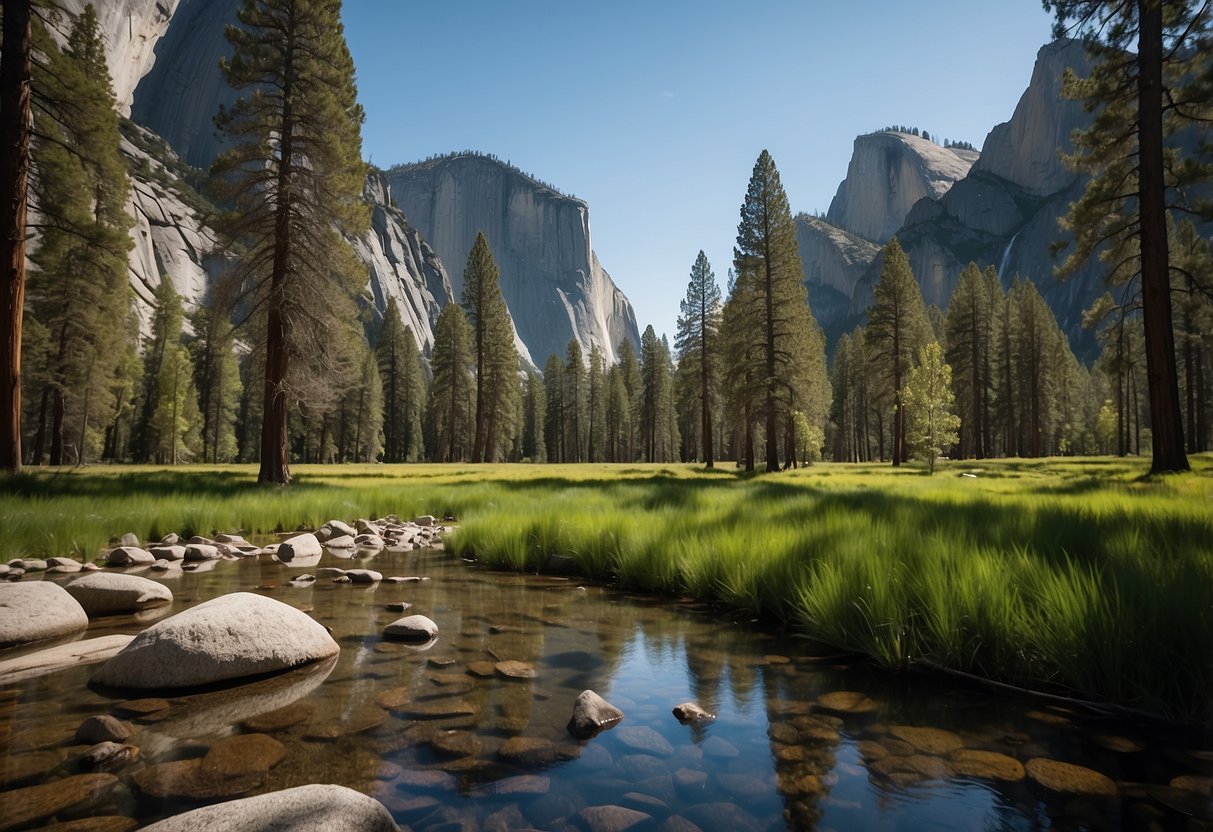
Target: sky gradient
655 112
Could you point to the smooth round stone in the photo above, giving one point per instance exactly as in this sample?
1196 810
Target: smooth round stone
1193 783
930 767
202 551
691 712
722 817
242 754
280 719
299 547
847 702
743 785
441 709
229 637
871 750
184 779
523 784
455 743
361 720
38 610
172 552
987 765
515 670
527 751
644 738
690 781
22 807
928 740
411 628
321 808
428 780
719 749
483 670
363 576
128 556
613 818
1068 778
114 593
103 728
393 698
143 710
783 732
19 768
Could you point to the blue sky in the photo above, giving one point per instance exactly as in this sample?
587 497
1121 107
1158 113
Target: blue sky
654 112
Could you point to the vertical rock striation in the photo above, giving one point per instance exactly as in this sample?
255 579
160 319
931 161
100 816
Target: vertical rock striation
834 262
551 278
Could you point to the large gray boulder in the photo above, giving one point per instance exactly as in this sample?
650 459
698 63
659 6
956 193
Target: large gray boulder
35 610
300 546
591 714
411 628
114 593
314 808
229 637
129 556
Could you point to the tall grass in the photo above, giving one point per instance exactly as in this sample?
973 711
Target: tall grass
1080 575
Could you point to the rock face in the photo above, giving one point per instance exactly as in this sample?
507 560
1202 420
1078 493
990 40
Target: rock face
229 637
37 610
319 808
109 593
888 173
834 262
551 278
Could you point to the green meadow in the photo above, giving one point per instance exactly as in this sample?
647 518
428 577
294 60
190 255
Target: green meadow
1074 576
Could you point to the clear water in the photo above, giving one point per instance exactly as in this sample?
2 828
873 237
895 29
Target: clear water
773 759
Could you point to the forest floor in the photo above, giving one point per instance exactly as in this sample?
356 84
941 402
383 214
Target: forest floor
1076 576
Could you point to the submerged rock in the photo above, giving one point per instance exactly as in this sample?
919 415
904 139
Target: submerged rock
320 808
229 637
108 756
691 712
113 593
591 714
21 807
411 628
36 611
1069 778
103 728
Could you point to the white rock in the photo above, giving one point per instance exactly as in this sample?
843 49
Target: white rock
28 564
35 610
128 555
229 637
341 542
169 552
411 628
314 808
201 551
339 528
113 593
300 546
363 576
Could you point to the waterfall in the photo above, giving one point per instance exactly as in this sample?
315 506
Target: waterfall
1006 256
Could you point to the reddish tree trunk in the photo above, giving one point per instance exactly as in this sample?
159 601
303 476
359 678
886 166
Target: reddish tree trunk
15 67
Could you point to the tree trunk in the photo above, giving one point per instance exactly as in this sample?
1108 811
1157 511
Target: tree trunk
478 440
57 428
1155 273
15 66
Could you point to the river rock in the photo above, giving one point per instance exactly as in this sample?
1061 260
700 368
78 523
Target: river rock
339 527
527 751
171 552
28 564
591 714
170 539
108 756
129 539
1069 778
318 808
363 576
128 556
226 638
424 520
613 819
341 542
369 541
202 551
88 651
987 765
21 807
113 593
38 610
300 546
242 754
928 740
722 817
61 564
103 728
691 712
515 670
847 702
411 628
645 739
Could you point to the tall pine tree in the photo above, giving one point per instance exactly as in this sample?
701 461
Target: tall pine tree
295 175
403 388
697 343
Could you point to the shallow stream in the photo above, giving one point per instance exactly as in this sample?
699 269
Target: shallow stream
447 741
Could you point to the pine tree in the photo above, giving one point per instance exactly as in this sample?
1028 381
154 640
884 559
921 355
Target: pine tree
1148 83
403 388
217 377
502 389
596 405
629 416
897 329
492 341
618 417
78 289
1194 331
452 391
931 426
970 328
534 443
176 419
295 175
575 400
697 343
770 306
553 413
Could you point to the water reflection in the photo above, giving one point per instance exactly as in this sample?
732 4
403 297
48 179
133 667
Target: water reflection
469 731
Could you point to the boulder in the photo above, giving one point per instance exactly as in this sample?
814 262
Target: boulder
128 556
411 628
338 528
231 539
341 542
129 539
170 539
113 593
300 546
28 564
21 808
168 552
691 712
424 520
63 565
363 576
591 714
88 651
202 551
230 637
317 808
369 541
37 610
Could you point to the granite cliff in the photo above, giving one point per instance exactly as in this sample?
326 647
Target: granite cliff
552 280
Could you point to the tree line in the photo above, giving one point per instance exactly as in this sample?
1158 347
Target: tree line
281 361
